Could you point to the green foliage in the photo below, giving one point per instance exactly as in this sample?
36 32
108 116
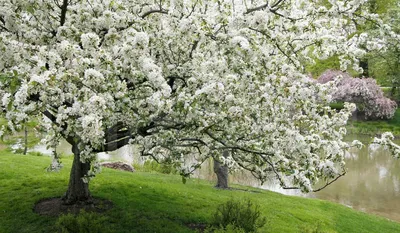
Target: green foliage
151 165
381 6
35 153
3 121
228 229
384 66
84 222
331 63
321 66
10 80
337 106
243 214
392 93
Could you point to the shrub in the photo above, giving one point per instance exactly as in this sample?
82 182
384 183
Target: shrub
364 92
151 165
239 214
84 222
36 153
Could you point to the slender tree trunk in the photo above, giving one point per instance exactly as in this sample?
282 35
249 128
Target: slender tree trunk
222 173
364 64
26 141
78 191
393 91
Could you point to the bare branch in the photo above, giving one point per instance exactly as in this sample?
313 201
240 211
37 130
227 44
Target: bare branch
51 117
4 23
330 182
115 128
115 145
266 5
2 20
277 4
257 8
194 46
118 136
64 8
193 140
4 28
161 11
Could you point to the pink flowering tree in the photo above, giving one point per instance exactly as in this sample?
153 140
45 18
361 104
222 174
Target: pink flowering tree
364 92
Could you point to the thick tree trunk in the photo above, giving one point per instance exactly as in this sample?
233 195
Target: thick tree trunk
78 191
222 173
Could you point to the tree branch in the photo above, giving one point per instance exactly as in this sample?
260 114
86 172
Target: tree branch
118 136
328 183
51 117
161 11
194 46
64 8
4 23
115 145
256 8
115 128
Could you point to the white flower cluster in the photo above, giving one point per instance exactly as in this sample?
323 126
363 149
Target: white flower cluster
386 141
90 40
187 79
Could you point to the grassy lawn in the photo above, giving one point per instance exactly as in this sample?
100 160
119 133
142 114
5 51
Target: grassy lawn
153 202
377 126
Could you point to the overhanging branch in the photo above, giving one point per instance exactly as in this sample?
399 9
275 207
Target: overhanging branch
330 182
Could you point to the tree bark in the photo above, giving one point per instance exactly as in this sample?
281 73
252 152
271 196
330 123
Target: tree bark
78 190
222 173
26 140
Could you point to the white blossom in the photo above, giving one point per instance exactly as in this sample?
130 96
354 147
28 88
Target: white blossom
227 78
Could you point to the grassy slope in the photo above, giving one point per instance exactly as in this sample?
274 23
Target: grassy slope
376 127
151 202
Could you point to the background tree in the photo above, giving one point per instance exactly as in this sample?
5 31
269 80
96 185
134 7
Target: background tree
364 92
222 172
385 63
184 77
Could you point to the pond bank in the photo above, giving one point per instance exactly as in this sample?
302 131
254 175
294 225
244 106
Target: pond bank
375 127
153 202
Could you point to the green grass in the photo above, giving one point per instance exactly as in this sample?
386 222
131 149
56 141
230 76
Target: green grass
376 126
372 127
153 202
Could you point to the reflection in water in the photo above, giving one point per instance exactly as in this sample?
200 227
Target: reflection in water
372 183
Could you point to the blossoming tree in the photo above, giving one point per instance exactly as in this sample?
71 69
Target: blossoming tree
181 78
365 92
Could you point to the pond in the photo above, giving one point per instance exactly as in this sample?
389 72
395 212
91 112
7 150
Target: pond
372 183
